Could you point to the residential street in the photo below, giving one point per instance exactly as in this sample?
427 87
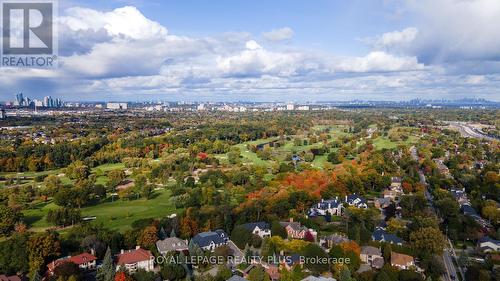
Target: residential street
451 271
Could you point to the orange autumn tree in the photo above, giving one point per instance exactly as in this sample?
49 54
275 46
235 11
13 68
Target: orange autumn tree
350 246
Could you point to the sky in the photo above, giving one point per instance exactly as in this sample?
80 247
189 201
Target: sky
276 50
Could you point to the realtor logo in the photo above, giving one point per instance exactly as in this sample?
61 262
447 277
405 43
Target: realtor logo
28 33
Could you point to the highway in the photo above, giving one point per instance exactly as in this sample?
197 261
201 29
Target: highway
468 130
451 271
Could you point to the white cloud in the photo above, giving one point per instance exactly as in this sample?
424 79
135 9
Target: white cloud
121 52
255 60
125 22
394 39
457 30
379 61
475 79
280 34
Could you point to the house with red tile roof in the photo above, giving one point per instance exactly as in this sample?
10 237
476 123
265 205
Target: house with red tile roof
85 261
135 259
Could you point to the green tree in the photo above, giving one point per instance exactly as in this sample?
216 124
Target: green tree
42 246
8 218
314 251
258 274
115 177
278 230
334 157
107 271
241 236
428 239
233 156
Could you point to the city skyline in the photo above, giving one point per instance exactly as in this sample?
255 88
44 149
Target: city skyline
276 51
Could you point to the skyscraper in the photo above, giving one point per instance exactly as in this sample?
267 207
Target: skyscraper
19 99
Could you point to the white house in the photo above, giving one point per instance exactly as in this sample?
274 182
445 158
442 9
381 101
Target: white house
260 229
326 207
487 244
356 201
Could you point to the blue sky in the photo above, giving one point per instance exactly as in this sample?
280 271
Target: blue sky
270 51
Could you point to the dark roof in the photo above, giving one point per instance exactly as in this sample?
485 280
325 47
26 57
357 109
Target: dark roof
294 225
352 197
485 239
370 250
205 238
251 226
382 235
236 278
469 211
326 204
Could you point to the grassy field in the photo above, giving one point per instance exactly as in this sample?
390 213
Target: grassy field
289 147
109 167
30 176
114 215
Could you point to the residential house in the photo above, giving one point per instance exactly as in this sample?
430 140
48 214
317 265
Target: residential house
356 201
9 278
331 207
402 261
396 183
172 244
296 231
135 259
319 278
236 278
331 240
382 203
460 195
289 262
443 169
488 245
380 235
85 262
372 256
479 164
272 271
260 229
211 240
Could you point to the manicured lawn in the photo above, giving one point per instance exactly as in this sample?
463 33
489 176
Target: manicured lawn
384 142
109 167
114 215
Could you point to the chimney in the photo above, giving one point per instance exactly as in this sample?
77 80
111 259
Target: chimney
92 251
291 220
122 251
137 247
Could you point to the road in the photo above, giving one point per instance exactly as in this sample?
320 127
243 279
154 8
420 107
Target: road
468 130
447 258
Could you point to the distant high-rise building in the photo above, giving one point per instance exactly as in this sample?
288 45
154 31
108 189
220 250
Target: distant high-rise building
2 114
290 106
19 99
117 105
201 107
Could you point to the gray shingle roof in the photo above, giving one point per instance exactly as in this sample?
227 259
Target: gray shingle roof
205 238
251 226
